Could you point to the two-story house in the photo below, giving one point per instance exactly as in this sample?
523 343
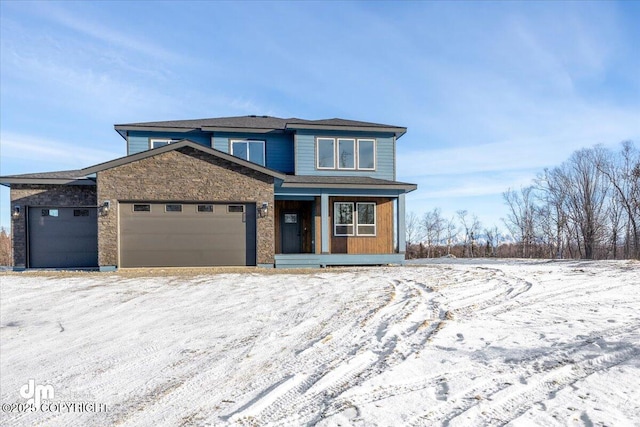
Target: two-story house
251 190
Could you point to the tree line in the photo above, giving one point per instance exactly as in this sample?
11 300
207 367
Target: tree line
588 208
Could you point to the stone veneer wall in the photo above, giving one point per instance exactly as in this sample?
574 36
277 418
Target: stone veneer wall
31 195
183 175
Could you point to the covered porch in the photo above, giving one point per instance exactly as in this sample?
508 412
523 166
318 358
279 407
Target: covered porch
339 224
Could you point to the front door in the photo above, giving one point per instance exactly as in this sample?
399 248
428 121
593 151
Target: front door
290 225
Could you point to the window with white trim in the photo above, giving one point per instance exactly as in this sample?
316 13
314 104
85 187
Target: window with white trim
326 153
346 153
366 219
343 219
366 154
159 142
251 150
354 219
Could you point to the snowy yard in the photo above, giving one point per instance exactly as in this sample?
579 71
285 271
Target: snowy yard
446 343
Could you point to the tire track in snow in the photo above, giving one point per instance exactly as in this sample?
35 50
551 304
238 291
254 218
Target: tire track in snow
333 346
514 400
386 336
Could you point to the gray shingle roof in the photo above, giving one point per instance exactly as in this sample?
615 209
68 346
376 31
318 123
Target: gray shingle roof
262 122
258 122
344 182
75 177
70 174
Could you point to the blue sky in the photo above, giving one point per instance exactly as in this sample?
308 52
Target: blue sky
491 92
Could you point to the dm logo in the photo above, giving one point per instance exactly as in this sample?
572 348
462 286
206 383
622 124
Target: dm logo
35 393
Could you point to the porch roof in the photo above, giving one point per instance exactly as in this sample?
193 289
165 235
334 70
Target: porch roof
344 182
69 177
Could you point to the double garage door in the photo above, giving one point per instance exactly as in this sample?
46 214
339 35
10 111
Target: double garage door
186 234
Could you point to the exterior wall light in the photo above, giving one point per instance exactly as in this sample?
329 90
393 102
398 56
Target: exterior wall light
264 210
16 212
104 208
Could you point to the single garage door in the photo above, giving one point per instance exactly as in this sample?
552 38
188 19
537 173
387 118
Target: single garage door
187 234
63 237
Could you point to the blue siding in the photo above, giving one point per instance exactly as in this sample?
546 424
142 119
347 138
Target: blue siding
139 140
306 157
278 147
287 192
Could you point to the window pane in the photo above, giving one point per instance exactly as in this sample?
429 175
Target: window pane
290 218
173 208
364 230
155 143
343 213
325 153
205 208
235 208
239 149
346 154
142 208
365 154
256 152
366 214
81 212
344 230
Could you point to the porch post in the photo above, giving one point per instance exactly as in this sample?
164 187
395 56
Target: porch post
402 241
324 221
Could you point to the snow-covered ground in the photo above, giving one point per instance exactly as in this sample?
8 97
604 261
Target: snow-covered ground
446 343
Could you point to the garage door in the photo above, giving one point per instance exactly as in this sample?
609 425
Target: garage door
63 237
187 234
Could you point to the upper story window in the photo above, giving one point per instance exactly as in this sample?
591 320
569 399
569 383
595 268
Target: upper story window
249 150
345 153
326 153
159 142
366 154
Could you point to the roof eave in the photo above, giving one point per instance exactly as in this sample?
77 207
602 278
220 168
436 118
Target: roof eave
126 128
397 131
7 181
238 129
406 187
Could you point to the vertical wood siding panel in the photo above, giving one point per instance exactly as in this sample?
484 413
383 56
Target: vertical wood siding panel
382 243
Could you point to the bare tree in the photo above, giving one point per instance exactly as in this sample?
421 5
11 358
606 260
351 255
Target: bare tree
471 228
520 219
5 247
586 196
432 227
578 191
623 173
493 240
450 229
552 196
462 216
412 229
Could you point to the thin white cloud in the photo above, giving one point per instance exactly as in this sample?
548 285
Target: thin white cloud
546 141
456 185
57 155
117 37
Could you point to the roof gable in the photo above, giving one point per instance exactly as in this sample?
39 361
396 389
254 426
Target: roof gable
176 146
83 176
